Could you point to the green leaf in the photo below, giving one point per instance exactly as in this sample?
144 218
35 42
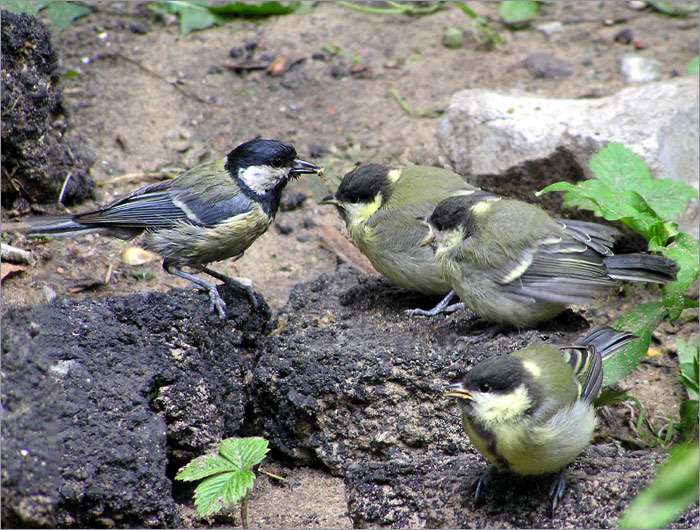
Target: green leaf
515 13
693 66
237 486
30 8
684 251
70 73
674 488
63 13
620 167
667 197
611 397
253 9
688 412
193 16
688 365
244 452
204 466
675 8
209 494
623 170
641 321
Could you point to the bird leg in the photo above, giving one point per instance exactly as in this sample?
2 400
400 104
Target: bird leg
216 302
230 281
441 307
556 492
479 482
487 333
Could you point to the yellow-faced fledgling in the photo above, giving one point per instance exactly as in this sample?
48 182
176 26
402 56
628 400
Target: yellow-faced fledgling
379 205
512 264
209 213
531 412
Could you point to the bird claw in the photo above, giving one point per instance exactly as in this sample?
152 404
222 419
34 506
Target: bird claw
483 335
217 303
479 482
441 307
556 492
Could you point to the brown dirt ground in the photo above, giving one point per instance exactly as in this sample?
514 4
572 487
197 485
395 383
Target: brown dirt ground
153 100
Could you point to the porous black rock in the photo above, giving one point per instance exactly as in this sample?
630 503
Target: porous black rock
103 400
351 383
38 159
348 377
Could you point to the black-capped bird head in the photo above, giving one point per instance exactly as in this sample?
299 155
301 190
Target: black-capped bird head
362 191
266 165
496 391
453 219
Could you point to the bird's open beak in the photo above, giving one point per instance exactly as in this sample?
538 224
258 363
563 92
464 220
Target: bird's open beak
302 166
330 199
459 392
431 236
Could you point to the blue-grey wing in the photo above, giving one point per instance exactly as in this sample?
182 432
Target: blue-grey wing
156 208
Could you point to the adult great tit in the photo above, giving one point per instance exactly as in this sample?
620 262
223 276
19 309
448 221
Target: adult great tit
512 264
531 412
209 213
379 205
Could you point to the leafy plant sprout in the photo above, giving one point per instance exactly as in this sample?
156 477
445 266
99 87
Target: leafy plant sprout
227 477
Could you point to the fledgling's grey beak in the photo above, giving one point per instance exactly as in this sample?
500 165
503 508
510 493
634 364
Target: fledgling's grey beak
459 392
302 166
330 199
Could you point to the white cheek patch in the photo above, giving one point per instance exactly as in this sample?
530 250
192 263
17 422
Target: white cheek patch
262 178
494 409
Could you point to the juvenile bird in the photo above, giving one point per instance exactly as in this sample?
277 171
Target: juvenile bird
212 212
512 264
531 412
379 205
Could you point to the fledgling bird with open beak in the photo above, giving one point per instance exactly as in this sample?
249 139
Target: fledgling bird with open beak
379 205
513 265
531 412
209 213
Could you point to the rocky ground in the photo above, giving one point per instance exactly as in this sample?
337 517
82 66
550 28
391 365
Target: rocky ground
362 437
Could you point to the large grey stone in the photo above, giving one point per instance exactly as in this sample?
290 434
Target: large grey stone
486 133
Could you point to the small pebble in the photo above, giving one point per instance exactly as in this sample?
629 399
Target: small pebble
284 229
546 66
640 69
453 38
139 29
550 28
624 36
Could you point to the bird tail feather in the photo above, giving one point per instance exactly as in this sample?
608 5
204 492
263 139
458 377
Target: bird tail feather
606 340
641 268
61 226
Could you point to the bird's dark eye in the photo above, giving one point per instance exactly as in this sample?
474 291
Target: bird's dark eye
438 225
277 163
484 387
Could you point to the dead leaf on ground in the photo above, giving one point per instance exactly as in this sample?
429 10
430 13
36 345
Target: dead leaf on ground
137 256
11 268
346 251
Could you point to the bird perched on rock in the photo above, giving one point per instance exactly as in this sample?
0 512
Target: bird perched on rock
379 205
209 213
531 412
512 264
